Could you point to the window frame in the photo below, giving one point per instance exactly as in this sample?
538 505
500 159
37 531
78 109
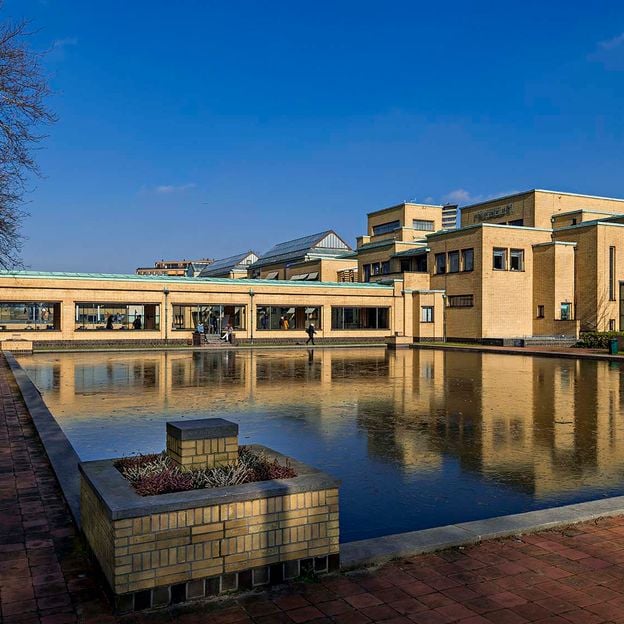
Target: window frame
453 255
427 314
441 256
460 301
464 253
499 252
516 253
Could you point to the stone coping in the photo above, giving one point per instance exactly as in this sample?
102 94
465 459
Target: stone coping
379 550
121 501
202 429
61 453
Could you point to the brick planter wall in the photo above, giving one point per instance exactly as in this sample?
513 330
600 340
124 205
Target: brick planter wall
155 550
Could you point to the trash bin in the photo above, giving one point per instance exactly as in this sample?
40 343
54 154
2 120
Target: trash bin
196 339
613 346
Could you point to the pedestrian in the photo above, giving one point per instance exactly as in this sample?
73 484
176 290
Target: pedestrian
311 331
109 322
286 323
281 322
137 324
200 328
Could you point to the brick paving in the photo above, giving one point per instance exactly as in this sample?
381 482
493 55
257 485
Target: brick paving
573 575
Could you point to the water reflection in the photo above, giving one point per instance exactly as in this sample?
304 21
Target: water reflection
443 437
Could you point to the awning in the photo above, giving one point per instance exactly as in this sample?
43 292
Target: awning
301 276
272 275
312 276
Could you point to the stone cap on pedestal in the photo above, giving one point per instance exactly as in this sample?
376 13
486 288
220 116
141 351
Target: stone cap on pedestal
202 429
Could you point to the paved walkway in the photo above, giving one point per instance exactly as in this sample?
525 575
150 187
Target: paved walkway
555 577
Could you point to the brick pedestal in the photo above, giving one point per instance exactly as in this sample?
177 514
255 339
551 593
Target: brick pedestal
204 443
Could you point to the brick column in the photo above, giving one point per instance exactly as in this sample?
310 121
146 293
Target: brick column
204 443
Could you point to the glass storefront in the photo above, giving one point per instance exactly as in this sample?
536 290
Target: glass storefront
360 318
214 317
290 317
117 316
29 315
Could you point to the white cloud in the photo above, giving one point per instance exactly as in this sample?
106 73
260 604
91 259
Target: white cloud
167 189
63 43
611 44
459 196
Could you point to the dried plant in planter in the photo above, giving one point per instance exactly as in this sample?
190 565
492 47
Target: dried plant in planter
157 474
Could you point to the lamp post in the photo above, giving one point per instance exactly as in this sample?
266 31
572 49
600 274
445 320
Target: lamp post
166 293
251 314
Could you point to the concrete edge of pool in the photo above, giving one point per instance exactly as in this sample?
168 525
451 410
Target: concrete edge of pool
368 552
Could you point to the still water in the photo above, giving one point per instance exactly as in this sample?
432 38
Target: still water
419 438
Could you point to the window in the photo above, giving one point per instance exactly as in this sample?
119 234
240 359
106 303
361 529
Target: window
27 315
500 259
287 317
405 265
540 311
518 222
426 314
440 260
566 311
421 224
460 301
467 259
360 318
516 260
112 316
611 324
214 317
384 228
574 221
453 262
385 267
611 273
367 272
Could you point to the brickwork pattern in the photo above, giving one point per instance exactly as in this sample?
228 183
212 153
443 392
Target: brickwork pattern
164 549
206 453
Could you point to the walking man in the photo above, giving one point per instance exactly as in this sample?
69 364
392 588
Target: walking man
311 331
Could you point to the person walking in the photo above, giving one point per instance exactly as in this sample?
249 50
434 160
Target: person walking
310 331
109 322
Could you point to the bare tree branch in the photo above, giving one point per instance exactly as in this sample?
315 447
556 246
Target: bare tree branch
23 92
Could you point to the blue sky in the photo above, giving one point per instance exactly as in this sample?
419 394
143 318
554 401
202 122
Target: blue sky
198 128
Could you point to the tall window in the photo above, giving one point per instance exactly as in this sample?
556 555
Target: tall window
611 273
566 311
287 317
499 259
540 311
360 318
453 262
367 272
384 228
111 316
421 224
27 315
467 259
516 260
214 317
460 301
440 262
426 314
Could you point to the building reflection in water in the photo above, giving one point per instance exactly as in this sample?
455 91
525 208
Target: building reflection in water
450 436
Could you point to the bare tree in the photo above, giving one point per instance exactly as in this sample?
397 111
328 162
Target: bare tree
23 91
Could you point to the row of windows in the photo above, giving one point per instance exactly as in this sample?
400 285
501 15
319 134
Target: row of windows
375 268
391 226
508 259
213 318
565 311
454 261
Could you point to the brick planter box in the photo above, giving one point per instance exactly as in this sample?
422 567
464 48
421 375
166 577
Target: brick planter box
169 548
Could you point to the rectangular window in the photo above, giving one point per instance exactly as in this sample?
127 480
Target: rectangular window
421 224
467 259
426 314
460 301
518 222
287 317
405 265
29 315
611 324
360 318
384 228
440 261
367 272
540 311
499 259
566 311
516 260
453 262
385 267
611 273
214 317
117 316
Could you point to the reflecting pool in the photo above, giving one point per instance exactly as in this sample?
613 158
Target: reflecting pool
419 438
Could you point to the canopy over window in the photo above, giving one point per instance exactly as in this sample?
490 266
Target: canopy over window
312 276
272 275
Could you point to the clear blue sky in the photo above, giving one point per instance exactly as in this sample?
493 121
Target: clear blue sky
196 128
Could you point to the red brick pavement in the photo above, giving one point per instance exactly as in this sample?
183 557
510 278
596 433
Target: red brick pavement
574 575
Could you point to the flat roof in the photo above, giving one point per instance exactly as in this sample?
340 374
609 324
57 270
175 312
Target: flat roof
165 279
490 225
536 190
405 203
